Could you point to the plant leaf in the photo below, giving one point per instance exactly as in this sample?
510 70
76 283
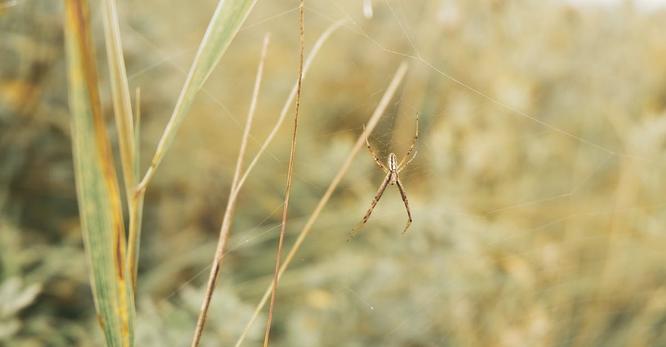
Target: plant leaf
127 135
122 108
222 28
97 185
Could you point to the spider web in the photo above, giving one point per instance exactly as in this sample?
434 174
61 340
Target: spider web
582 177
592 162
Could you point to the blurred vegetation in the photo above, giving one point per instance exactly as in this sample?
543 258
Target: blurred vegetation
537 193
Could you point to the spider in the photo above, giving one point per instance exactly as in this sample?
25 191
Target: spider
392 169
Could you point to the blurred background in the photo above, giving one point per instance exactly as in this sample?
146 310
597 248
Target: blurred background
537 192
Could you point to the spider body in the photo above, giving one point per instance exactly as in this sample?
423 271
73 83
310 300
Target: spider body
392 169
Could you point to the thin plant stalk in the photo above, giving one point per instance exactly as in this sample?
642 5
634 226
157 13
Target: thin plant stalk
360 142
136 200
134 235
285 109
137 130
290 173
226 222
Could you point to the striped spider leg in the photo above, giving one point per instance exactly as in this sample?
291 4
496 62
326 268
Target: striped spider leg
392 169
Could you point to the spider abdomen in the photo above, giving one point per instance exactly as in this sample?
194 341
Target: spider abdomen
392 162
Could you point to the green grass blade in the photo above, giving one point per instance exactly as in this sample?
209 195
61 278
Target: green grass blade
136 199
223 26
97 185
122 110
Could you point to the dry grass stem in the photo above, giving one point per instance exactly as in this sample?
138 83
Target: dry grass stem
135 200
137 131
290 172
360 142
283 113
228 213
226 222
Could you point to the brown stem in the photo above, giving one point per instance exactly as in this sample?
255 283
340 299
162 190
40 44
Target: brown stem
233 194
290 168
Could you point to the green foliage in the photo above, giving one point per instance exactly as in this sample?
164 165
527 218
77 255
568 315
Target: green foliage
170 323
14 297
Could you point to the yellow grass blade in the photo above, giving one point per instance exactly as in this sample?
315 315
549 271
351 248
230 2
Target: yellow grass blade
126 133
223 26
96 182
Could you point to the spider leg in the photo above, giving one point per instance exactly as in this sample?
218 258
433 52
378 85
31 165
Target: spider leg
408 157
404 199
401 167
374 202
374 155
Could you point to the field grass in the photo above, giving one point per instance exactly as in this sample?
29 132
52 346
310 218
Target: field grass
537 191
